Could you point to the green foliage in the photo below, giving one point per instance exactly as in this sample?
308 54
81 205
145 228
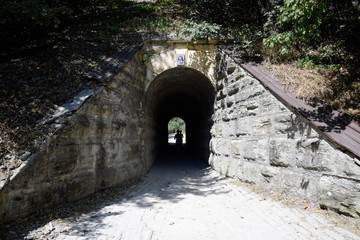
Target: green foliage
300 21
154 24
165 2
325 57
303 18
148 54
301 25
147 8
200 31
176 124
247 39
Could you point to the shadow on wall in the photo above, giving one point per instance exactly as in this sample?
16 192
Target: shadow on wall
334 121
180 176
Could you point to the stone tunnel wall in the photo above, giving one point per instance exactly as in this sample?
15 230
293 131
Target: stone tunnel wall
257 139
100 145
108 140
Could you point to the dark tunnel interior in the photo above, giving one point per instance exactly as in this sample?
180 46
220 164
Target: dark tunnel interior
188 94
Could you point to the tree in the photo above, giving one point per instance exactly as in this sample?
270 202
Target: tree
301 24
176 124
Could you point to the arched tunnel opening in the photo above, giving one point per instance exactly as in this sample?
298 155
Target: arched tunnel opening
185 93
176 131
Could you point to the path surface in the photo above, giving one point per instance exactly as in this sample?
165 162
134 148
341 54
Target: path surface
187 200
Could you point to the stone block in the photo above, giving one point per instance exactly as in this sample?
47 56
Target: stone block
77 134
63 160
221 94
229 102
222 146
219 85
247 82
268 104
95 131
26 201
90 155
35 171
340 194
234 88
80 120
237 75
243 127
310 156
250 172
256 150
252 105
215 162
227 128
226 117
347 165
252 108
237 147
78 186
301 184
283 123
255 91
231 67
282 152
269 172
270 177
220 74
228 167
262 126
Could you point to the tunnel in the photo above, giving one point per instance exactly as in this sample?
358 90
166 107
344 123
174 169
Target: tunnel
185 93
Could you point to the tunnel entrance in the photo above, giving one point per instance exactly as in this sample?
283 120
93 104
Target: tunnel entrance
176 124
185 93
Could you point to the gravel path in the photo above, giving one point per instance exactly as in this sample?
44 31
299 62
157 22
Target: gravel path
188 200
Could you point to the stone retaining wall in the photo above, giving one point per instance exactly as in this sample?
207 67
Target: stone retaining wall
107 139
257 139
111 138
101 145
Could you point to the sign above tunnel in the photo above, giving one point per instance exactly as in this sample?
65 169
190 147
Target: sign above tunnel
180 59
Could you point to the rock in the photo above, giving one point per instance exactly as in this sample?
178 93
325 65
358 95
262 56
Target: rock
12 165
9 156
2 176
61 120
281 152
25 155
48 229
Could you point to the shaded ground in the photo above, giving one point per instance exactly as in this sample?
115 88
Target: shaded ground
182 198
39 75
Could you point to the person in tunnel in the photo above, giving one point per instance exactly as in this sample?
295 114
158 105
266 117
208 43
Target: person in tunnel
178 141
